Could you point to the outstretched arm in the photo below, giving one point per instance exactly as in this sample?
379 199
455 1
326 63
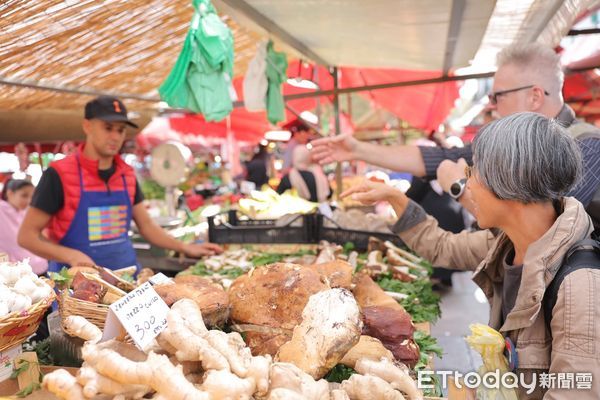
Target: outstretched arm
420 232
346 148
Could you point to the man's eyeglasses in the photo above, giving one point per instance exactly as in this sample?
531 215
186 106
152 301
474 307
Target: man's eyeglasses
468 171
494 95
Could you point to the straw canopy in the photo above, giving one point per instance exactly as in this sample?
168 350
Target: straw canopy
116 46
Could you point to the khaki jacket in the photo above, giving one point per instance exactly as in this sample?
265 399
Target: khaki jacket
574 345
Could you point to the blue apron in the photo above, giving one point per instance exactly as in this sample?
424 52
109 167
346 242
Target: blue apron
100 228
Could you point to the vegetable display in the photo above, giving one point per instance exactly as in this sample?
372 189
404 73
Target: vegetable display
190 362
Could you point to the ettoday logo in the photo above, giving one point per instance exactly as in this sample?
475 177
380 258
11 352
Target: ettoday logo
508 380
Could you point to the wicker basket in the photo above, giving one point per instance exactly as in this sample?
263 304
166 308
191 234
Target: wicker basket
93 312
16 327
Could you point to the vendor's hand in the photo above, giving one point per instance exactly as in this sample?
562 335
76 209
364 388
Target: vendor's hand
334 149
197 250
77 258
369 192
449 172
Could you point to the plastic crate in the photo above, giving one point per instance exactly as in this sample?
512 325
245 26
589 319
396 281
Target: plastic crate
360 239
229 228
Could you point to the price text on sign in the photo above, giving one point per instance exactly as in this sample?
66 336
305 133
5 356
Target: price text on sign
142 313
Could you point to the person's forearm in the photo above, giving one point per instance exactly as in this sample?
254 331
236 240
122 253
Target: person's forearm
39 245
157 236
399 205
397 158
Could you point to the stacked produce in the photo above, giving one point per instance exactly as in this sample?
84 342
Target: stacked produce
388 282
332 324
20 288
268 204
189 362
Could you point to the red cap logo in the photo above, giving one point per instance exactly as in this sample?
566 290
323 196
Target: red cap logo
117 106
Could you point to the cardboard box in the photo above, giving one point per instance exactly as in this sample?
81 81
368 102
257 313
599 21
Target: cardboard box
7 358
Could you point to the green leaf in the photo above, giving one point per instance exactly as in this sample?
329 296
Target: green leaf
127 277
62 278
22 367
339 373
27 390
428 347
349 247
422 303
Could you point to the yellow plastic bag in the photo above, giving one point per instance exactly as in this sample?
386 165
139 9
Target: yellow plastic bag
490 344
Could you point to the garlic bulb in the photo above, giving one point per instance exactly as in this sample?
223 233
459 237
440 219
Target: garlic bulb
3 308
25 286
19 302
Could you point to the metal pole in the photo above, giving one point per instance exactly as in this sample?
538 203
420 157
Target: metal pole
338 131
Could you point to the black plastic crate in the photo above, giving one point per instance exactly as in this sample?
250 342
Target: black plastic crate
229 228
360 239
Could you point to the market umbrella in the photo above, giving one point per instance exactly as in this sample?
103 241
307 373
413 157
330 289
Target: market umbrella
201 78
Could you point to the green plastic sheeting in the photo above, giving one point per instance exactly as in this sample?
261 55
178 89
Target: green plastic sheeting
276 74
201 76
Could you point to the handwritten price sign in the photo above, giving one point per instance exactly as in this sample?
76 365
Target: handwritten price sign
142 313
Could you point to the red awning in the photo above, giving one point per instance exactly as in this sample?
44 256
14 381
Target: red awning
423 106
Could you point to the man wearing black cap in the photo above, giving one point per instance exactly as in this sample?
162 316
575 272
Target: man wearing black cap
87 200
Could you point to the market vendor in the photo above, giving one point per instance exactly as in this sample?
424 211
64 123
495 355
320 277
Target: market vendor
87 201
524 164
529 78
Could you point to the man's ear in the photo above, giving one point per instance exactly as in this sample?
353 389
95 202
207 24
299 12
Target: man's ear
537 98
86 126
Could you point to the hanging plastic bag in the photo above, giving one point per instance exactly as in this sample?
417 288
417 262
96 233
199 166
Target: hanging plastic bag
490 344
276 74
255 81
201 78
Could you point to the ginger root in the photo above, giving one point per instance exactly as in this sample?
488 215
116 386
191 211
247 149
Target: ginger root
64 385
157 372
284 394
223 385
361 387
288 376
367 348
232 347
93 383
339 394
189 346
78 326
390 373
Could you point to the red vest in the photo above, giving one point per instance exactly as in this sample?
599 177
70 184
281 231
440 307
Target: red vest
68 171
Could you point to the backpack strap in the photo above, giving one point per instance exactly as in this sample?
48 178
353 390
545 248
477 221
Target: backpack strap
584 254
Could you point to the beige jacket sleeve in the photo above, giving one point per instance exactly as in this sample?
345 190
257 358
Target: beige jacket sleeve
575 338
462 251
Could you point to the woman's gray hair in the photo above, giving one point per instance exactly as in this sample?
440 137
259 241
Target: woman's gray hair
526 157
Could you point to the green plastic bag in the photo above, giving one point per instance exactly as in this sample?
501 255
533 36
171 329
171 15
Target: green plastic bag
201 76
276 74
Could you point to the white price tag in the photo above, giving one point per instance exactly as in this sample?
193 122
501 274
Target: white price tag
159 279
141 312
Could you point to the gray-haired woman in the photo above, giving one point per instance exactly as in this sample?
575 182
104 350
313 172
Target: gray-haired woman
523 166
